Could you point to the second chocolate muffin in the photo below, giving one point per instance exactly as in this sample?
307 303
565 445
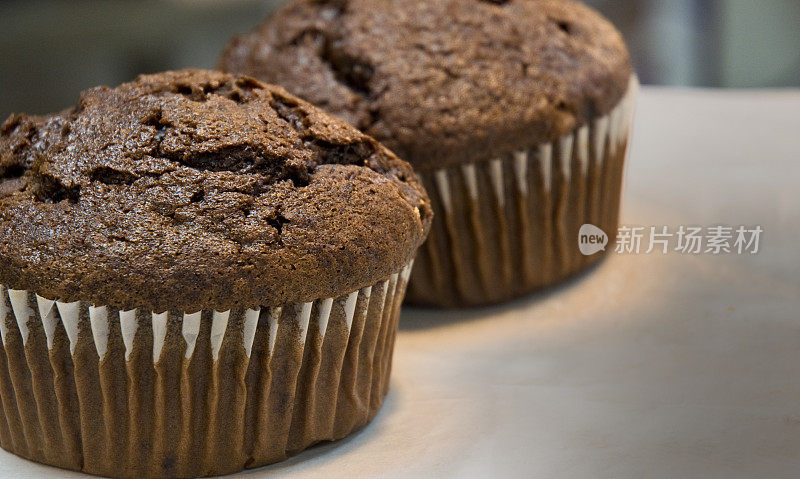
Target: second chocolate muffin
515 114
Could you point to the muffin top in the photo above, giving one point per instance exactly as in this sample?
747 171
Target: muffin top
442 82
198 190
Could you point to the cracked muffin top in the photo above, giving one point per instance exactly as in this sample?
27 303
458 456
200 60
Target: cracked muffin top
441 82
198 190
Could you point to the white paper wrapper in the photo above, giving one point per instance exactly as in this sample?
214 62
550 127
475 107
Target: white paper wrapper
143 394
508 226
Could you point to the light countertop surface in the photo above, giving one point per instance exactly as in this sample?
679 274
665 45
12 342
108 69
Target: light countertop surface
649 366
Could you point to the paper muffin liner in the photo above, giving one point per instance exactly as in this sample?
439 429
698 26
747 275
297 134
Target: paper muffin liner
508 226
143 394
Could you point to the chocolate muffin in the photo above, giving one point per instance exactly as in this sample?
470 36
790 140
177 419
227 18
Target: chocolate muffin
515 114
199 273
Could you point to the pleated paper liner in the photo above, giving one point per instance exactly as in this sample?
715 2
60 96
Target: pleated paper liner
509 226
142 394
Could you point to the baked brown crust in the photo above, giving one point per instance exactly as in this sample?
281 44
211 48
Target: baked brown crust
198 190
441 82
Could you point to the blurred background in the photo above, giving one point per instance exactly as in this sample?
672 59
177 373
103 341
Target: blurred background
53 49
